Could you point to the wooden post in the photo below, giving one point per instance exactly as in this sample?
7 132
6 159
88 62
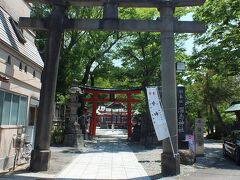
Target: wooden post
129 116
94 115
94 119
90 127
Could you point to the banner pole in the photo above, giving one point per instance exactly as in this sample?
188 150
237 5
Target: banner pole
170 139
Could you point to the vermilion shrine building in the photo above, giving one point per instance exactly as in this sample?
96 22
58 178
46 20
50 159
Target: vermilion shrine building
112 114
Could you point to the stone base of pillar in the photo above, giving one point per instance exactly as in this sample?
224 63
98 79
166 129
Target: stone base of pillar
74 140
40 160
170 165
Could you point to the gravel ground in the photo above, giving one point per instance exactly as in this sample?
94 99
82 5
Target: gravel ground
210 166
150 159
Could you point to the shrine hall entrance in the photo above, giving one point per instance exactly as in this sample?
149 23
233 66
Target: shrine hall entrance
111 108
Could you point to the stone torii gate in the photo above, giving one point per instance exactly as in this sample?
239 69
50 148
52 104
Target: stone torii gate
58 22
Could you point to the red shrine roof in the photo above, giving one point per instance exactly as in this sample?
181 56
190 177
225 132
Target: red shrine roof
116 105
90 89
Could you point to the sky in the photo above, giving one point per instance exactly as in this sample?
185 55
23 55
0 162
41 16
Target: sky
188 44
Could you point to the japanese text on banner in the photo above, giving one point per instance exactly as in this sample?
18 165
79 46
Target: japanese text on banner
157 113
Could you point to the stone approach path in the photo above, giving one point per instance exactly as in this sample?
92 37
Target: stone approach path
111 159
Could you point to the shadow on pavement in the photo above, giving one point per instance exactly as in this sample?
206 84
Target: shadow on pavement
213 158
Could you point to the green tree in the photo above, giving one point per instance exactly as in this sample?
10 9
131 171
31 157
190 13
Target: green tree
221 43
215 64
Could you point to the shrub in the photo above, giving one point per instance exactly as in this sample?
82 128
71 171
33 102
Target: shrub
57 135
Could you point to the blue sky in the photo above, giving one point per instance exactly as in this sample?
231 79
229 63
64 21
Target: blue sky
188 44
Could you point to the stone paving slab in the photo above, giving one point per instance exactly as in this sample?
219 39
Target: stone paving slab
113 160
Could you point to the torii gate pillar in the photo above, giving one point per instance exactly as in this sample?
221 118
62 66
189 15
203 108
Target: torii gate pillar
41 154
170 164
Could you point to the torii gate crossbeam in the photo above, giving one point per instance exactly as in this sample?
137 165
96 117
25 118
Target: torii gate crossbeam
116 25
56 24
124 3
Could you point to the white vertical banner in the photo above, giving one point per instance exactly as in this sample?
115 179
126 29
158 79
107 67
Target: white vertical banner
157 113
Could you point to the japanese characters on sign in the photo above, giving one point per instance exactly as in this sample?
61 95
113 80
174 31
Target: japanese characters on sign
181 108
157 113
199 136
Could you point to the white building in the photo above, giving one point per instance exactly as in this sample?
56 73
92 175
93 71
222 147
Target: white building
20 74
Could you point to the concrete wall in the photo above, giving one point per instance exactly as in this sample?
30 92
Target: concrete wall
22 83
7 151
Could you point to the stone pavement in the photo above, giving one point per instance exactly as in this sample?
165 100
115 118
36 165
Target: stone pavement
110 160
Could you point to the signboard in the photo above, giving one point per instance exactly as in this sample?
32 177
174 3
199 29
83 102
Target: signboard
181 109
199 137
157 113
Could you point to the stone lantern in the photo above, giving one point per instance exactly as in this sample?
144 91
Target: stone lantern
73 133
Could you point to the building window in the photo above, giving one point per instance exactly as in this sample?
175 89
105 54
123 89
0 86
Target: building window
9 60
22 111
34 74
20 66
25 69
6 108
13 109
1 105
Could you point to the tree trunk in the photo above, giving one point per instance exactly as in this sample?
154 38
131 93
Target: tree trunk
211 119
219 123
87 72
92 78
